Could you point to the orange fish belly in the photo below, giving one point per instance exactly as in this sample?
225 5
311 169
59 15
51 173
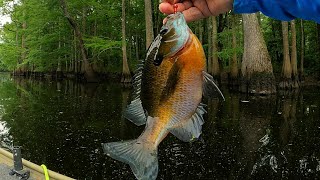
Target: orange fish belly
187 95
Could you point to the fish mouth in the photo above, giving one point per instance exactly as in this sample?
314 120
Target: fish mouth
174 35
175 16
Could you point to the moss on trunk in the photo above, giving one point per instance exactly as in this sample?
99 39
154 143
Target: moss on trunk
260 83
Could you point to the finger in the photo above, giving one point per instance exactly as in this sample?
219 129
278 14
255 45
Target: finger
166 8
184 5
193 14
171 1
203 5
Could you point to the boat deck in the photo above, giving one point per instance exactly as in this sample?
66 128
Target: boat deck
4 173
36 172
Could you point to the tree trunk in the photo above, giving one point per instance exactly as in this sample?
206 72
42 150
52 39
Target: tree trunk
126 76
149 23
137 47
256 70
286 82
84 16
89 74
295 76
318 30
200 28
233 81
59 67
209 57
23 68
302 52
75 62
259 17
15 71
215 61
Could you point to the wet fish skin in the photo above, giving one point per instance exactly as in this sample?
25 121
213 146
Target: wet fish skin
168 97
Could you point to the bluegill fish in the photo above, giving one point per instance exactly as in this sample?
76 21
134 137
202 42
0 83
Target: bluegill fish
168 89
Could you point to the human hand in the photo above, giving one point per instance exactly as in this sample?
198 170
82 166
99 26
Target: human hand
196 9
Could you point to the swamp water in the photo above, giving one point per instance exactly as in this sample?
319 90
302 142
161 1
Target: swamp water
62 125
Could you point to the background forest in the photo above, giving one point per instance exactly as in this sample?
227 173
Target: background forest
97 38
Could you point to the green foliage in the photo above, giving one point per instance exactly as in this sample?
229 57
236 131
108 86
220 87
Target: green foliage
225 39
48 40
99 45
312 50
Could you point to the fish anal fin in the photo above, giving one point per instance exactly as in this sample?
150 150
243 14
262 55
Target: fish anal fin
135 112
191 129
210 89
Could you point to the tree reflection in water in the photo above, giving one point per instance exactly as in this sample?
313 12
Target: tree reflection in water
62 124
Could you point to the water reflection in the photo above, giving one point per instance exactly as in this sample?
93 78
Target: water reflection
6 140
62 124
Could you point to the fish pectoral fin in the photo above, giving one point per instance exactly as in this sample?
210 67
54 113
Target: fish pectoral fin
141 156
135 112
191 129
210 89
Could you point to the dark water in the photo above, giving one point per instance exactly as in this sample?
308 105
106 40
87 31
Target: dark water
62 125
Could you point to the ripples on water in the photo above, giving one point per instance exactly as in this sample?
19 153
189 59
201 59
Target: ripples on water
62 125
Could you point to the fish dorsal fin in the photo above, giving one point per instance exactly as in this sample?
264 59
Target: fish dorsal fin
135 111
153 50
191 129
210 89
151 56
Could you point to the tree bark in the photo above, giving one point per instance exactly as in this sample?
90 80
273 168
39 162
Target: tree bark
84 16
200 30
126 76
294 65
302 51
149 23
23 67
259 17
23 41
256 69
15 71
286 82
89 74
137 47
234 62
215 61
59 66
318 30
209 29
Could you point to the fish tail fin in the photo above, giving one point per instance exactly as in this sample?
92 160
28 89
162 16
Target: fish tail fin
141 156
